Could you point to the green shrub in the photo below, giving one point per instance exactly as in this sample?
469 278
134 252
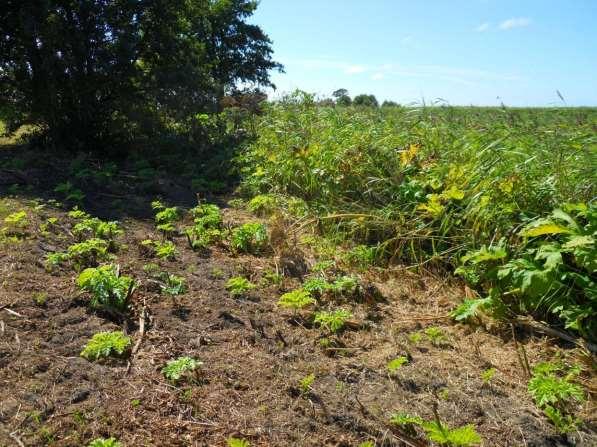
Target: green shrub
106 344
165 217
163 250
249 238
108 289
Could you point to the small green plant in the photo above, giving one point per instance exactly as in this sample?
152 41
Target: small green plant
296 300
165 217
465 436
249 238
237 442
70 192
76 213
88 253
96 228
106 344
454 437
238 286
367 444
333 321
395 364
55 259
271 277
306 382
487 375
216 273
207 215
415 337
317 286
40 298
200 237
361 257
554 392
102 442
108 289
172 285
16 223
163 250
179 368
345 285
436 336
262 205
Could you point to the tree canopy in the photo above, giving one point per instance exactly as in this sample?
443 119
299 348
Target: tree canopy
95 72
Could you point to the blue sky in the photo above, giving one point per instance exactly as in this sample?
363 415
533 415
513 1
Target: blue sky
463 51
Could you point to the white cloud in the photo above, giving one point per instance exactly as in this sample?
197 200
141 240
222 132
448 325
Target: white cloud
354 69
482 27
377 76
515 22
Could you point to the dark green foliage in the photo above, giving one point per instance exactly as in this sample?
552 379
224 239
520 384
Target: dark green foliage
104 72
365 101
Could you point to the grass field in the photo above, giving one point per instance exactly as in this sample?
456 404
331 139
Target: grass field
380 277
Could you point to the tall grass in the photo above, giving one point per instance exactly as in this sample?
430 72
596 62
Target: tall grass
425 185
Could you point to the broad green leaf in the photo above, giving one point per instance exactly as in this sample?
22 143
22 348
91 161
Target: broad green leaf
545 228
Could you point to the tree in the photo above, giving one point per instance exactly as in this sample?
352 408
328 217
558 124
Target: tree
365 101
342 98
96 72
390 104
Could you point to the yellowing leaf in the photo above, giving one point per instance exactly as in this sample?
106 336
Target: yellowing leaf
453 193
433 207
545 228
407 156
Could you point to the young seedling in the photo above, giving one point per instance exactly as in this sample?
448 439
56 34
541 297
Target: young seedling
16 224
163 250
487 375
237 442
395 364
88 253
101 442
239 286
436 336
165 218
106 344
554 392
305 383
177 369
317 286
333 322
296 300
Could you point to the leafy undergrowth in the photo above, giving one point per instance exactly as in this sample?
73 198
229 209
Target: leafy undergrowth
257 336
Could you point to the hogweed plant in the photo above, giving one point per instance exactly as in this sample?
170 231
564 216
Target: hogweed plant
296 300
395 364
554 391
332 322
249 238
109 290
237 442
182 367
106 344
102 442
238 286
